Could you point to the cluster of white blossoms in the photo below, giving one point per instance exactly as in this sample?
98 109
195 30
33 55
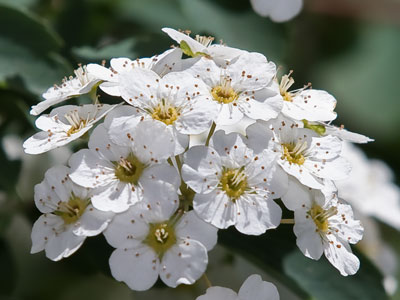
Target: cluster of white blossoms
159 195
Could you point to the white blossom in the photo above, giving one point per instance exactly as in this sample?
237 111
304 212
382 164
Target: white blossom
233 186
254 288
160 64
201 46
302 152
119 174
277 10
239 88
68 215
83 82
324 129
304 103
153 240
323 224
63 125
177 101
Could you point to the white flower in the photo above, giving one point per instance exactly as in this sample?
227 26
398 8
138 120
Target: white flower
325 225
202 46
239 88
153 240
277 10
82 83
160 64
233 186
302 152
254 288
68 215
370 187
63 125
324 129
120 174
304 104
177 101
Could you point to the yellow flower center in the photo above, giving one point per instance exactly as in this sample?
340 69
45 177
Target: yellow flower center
321 216
293 153
165 113
129 169
224 93
233 182
286 83
161 237
76 122
72 210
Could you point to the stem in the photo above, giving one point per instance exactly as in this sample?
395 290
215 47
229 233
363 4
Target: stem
287 221
212 129
208 282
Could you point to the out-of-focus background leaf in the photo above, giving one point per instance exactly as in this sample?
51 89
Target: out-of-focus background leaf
345 47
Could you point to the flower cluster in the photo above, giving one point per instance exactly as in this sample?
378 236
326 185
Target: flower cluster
160 175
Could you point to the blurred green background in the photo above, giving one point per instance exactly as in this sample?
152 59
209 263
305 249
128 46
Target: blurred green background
347 47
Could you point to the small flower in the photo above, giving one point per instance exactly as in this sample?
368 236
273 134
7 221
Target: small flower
239 88
202 46
254 288
153 240
83 82
63 125
304 104
68 215
119 175
176 101
234 186
277 10
302 152
324 129
323 224
161 64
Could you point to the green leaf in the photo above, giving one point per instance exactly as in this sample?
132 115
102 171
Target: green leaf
28 50
324 282
276 252
123 48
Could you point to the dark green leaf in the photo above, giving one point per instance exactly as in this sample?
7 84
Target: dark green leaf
276 252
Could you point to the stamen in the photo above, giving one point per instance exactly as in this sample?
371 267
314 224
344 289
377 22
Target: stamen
72 210
165 112
294 153
321 216
204 40
76 122
161 237
82 75
224 93
234 182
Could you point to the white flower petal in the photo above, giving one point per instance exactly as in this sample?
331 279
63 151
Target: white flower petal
190 226
256 289
92 222
341 257
297 195
127 229
255 215
137 267
218 293
201 164
177 36
63 244
184 263
215 208
308 240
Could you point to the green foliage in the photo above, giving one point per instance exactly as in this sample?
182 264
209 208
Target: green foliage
276 253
